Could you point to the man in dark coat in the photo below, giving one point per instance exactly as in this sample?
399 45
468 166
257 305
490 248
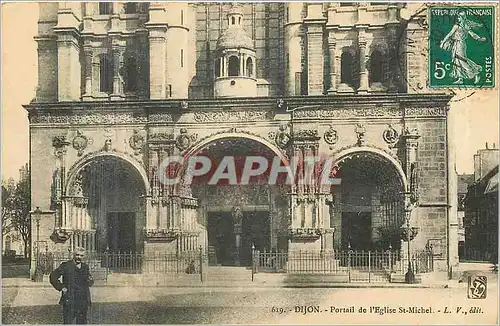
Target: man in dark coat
73 279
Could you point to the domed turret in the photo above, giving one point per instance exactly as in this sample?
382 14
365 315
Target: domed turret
235 36
235 59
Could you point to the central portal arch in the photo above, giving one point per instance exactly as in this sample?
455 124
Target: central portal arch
239 216
368 206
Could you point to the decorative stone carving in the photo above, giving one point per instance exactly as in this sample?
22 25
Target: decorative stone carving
341 113
237 214
281 104
414 195
390 135
80 142
106 118
162 235
108 145
360 134
304 233
330 136
59 143
189 202
229 116
183 105
161 138
425 112
161 117
88 118
77 189
282 137
306 134
412 133
59 236
49 118
136 142
184 141
109 133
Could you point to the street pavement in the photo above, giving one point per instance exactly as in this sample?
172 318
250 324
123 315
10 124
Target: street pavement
37 304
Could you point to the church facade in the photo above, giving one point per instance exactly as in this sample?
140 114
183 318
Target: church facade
124 86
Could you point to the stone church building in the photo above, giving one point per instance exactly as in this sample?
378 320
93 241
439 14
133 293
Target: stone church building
122 86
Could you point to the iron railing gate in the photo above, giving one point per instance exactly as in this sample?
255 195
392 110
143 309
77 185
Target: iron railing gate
354 266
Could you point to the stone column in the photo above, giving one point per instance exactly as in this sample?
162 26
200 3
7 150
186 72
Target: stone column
315 58
153 202
117 52
88 52
332 58
392 73
157 63
363 73
118 8
308 228
242 72
96 64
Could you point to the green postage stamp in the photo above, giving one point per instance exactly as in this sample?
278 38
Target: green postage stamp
461 46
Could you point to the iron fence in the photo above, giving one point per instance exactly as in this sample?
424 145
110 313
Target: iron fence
369 266
471 254
103 263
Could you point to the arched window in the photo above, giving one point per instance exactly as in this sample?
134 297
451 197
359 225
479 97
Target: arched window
376 67
249 67
217 67
239 20
130 74
347 68
105 8
130 7
234 66
233 21
105 74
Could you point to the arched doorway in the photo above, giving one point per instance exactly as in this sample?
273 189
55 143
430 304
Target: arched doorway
104 199
239 215
369 203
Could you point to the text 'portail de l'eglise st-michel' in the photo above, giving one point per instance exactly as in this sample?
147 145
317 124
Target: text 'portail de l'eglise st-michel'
123 87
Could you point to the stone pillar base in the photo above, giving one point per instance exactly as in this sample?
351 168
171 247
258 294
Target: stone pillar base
116 97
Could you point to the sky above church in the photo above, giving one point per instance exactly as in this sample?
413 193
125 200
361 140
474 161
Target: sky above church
476 118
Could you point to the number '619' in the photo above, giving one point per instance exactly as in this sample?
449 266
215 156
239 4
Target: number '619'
440 69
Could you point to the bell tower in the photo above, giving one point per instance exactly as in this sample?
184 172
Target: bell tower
234 66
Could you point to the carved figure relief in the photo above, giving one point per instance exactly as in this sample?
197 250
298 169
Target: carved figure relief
360 133
390 135
59 143
331 137
136 142
80 142
282 137
184 141
77 189
281 104
237 214
107 145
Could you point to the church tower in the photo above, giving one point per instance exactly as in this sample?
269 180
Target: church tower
234 67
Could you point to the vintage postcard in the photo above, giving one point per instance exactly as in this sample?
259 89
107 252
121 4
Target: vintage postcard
250 162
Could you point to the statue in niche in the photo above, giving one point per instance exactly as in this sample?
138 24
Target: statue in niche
78 186
237 214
